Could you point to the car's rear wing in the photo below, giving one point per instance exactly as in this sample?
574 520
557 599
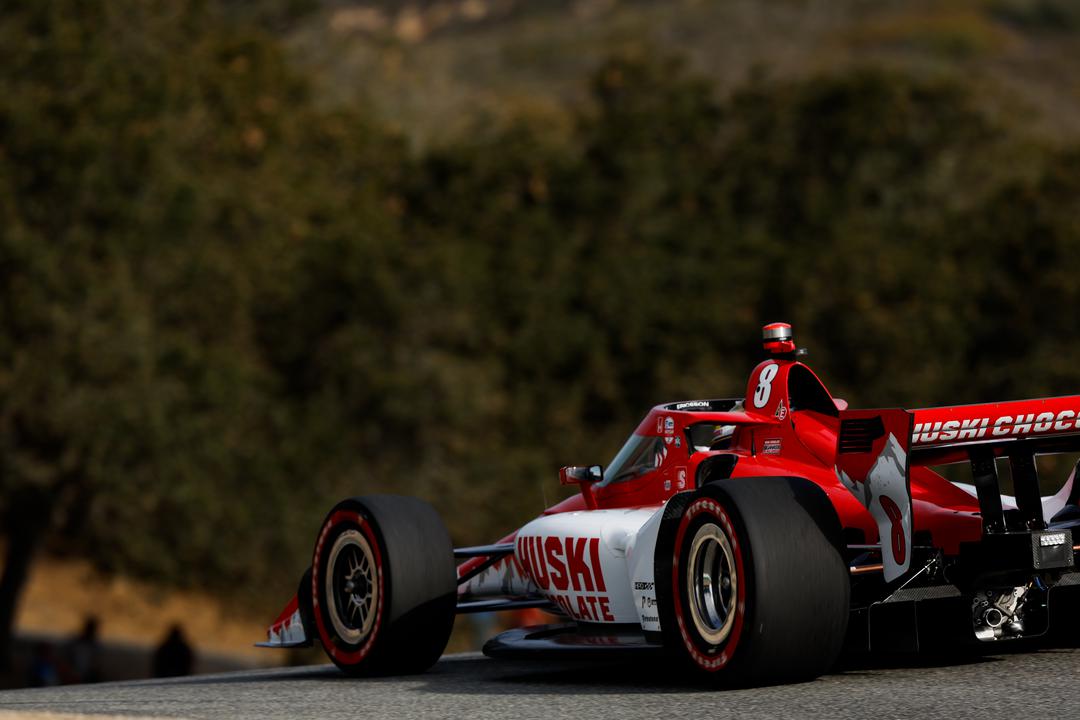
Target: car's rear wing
980 434
877 448
950 434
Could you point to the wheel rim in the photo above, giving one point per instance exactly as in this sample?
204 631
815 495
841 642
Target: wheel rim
352 586
712 583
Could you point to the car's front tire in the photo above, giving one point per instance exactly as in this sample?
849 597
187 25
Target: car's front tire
383 585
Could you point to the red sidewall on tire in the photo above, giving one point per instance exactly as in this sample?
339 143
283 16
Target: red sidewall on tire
708 657
339 650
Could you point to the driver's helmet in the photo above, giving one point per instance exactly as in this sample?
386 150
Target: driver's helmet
722 436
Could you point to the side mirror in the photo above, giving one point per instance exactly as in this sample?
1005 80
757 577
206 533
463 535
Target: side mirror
581 474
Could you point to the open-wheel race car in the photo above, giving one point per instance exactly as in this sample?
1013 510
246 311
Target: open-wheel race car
749 539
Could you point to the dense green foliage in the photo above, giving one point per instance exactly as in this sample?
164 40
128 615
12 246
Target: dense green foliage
223 307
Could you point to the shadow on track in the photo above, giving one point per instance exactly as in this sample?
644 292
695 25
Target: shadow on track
477 675
628 677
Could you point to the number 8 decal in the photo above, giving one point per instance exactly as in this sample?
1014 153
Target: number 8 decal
899 541
764 386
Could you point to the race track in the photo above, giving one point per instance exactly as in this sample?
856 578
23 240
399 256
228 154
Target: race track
1028 684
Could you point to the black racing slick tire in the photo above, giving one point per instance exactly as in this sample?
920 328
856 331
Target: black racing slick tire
383 585
751 587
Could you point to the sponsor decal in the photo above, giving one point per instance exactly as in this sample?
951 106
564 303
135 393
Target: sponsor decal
669 425
668 439
648 602
781 410
569 572
771 446
1001 426
680 478
639 585
678 441
667 485
701 404
659 425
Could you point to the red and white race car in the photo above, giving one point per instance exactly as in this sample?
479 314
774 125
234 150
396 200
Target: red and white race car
750 538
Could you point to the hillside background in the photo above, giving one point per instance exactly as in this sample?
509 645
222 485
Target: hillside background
259 256
436 68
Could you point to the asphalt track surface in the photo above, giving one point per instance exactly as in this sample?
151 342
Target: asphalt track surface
1017 685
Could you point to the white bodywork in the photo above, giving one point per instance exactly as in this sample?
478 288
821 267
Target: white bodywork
286 632
887 479
595 565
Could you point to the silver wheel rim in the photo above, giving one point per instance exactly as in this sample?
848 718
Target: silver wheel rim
352 587
712 583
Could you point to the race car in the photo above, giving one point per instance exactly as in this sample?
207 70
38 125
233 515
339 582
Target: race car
750 540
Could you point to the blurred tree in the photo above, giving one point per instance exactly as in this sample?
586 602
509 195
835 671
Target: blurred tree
161 170
848 192
1020 244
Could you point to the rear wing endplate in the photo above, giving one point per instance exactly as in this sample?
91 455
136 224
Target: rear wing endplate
872 463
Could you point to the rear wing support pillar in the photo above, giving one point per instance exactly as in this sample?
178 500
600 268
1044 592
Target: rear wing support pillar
984 471
1025 477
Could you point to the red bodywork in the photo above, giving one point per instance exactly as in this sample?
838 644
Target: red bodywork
775 436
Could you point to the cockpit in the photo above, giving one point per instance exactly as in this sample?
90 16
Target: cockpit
709 437
640 455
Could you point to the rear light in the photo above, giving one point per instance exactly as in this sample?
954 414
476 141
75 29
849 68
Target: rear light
1051 539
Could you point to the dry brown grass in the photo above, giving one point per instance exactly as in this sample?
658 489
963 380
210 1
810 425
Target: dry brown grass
61 594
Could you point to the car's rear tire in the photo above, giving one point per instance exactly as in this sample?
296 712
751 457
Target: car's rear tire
750 583
383 585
